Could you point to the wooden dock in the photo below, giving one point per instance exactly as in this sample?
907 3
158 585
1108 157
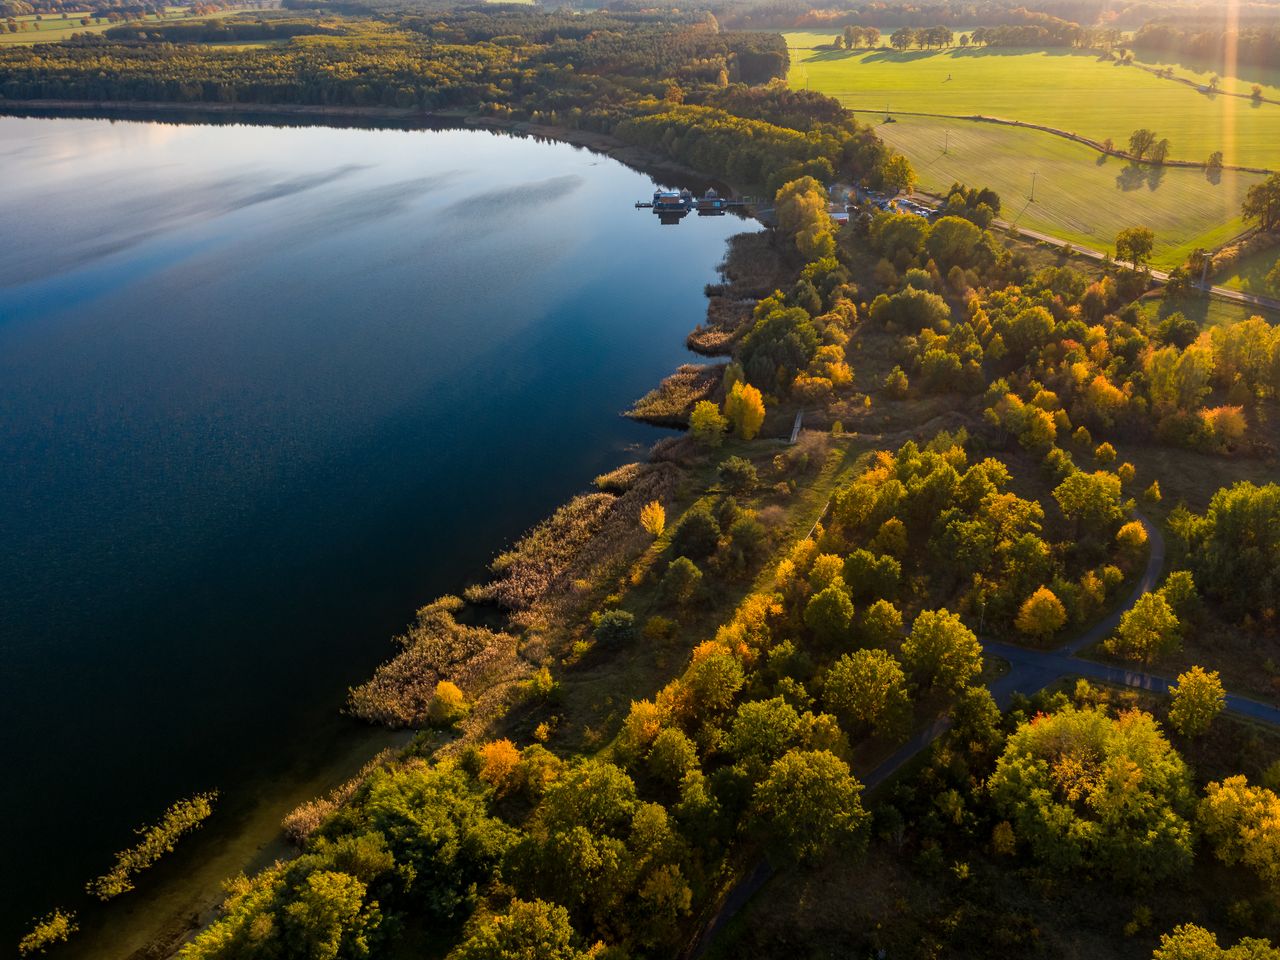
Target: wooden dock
795 428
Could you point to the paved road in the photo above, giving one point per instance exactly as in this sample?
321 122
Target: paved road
1029 671
1159 276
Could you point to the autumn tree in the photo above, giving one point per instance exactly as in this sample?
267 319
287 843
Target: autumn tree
1198 697
525 929
810 805
653 518
941 651
1147 631
801 210
744 409
1041 614
1067 782
1242 825
1191 942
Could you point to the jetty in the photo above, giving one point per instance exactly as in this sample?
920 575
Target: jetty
672 206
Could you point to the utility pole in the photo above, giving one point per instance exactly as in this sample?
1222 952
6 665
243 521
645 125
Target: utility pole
946 143
1034 174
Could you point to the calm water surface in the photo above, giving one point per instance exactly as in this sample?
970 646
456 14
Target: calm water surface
262 392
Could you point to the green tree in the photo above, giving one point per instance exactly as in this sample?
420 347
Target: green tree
1135 245
706 424
1262 203
1088 792
737 475
1140 141
880 624
810 805
524 931
615 628
682 583
867 690
953 241
1198 697
1147 631
1090 499
941 651
330 918
761 732
698 534
829 612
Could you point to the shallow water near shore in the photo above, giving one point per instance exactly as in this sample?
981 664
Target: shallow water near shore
263 391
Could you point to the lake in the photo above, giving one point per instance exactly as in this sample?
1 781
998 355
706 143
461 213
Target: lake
263 392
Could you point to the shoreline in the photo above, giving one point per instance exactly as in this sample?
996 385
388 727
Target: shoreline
639 158
184 897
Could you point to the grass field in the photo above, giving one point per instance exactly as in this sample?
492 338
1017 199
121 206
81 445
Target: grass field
1250 274
1067 89
1077 197
54 28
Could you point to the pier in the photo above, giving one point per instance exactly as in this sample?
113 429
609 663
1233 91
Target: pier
673 206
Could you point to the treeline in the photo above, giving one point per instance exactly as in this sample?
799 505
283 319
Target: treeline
223 30
1256 45
674 83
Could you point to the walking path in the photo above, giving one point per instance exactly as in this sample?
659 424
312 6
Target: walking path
1029 671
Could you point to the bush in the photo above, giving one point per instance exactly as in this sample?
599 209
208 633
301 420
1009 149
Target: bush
738 475
615 627
682 583
698 534
447 705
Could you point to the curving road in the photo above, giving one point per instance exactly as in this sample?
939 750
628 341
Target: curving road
1029 671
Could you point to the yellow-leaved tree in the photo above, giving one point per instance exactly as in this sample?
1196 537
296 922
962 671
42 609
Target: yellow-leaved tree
744 408
1041 615
653 518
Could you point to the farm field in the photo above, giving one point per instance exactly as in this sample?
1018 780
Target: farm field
1200 71
54 28
1068 89
1080 195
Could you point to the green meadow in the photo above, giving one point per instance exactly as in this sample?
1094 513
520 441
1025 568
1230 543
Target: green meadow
54 28
1080 195
1070 90
1251 273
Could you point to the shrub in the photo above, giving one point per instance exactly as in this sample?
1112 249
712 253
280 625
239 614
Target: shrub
738 475
56 927
615 627
698 534
653 518
447 705
682 582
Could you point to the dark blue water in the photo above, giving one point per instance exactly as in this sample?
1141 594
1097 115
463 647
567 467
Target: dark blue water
262 392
